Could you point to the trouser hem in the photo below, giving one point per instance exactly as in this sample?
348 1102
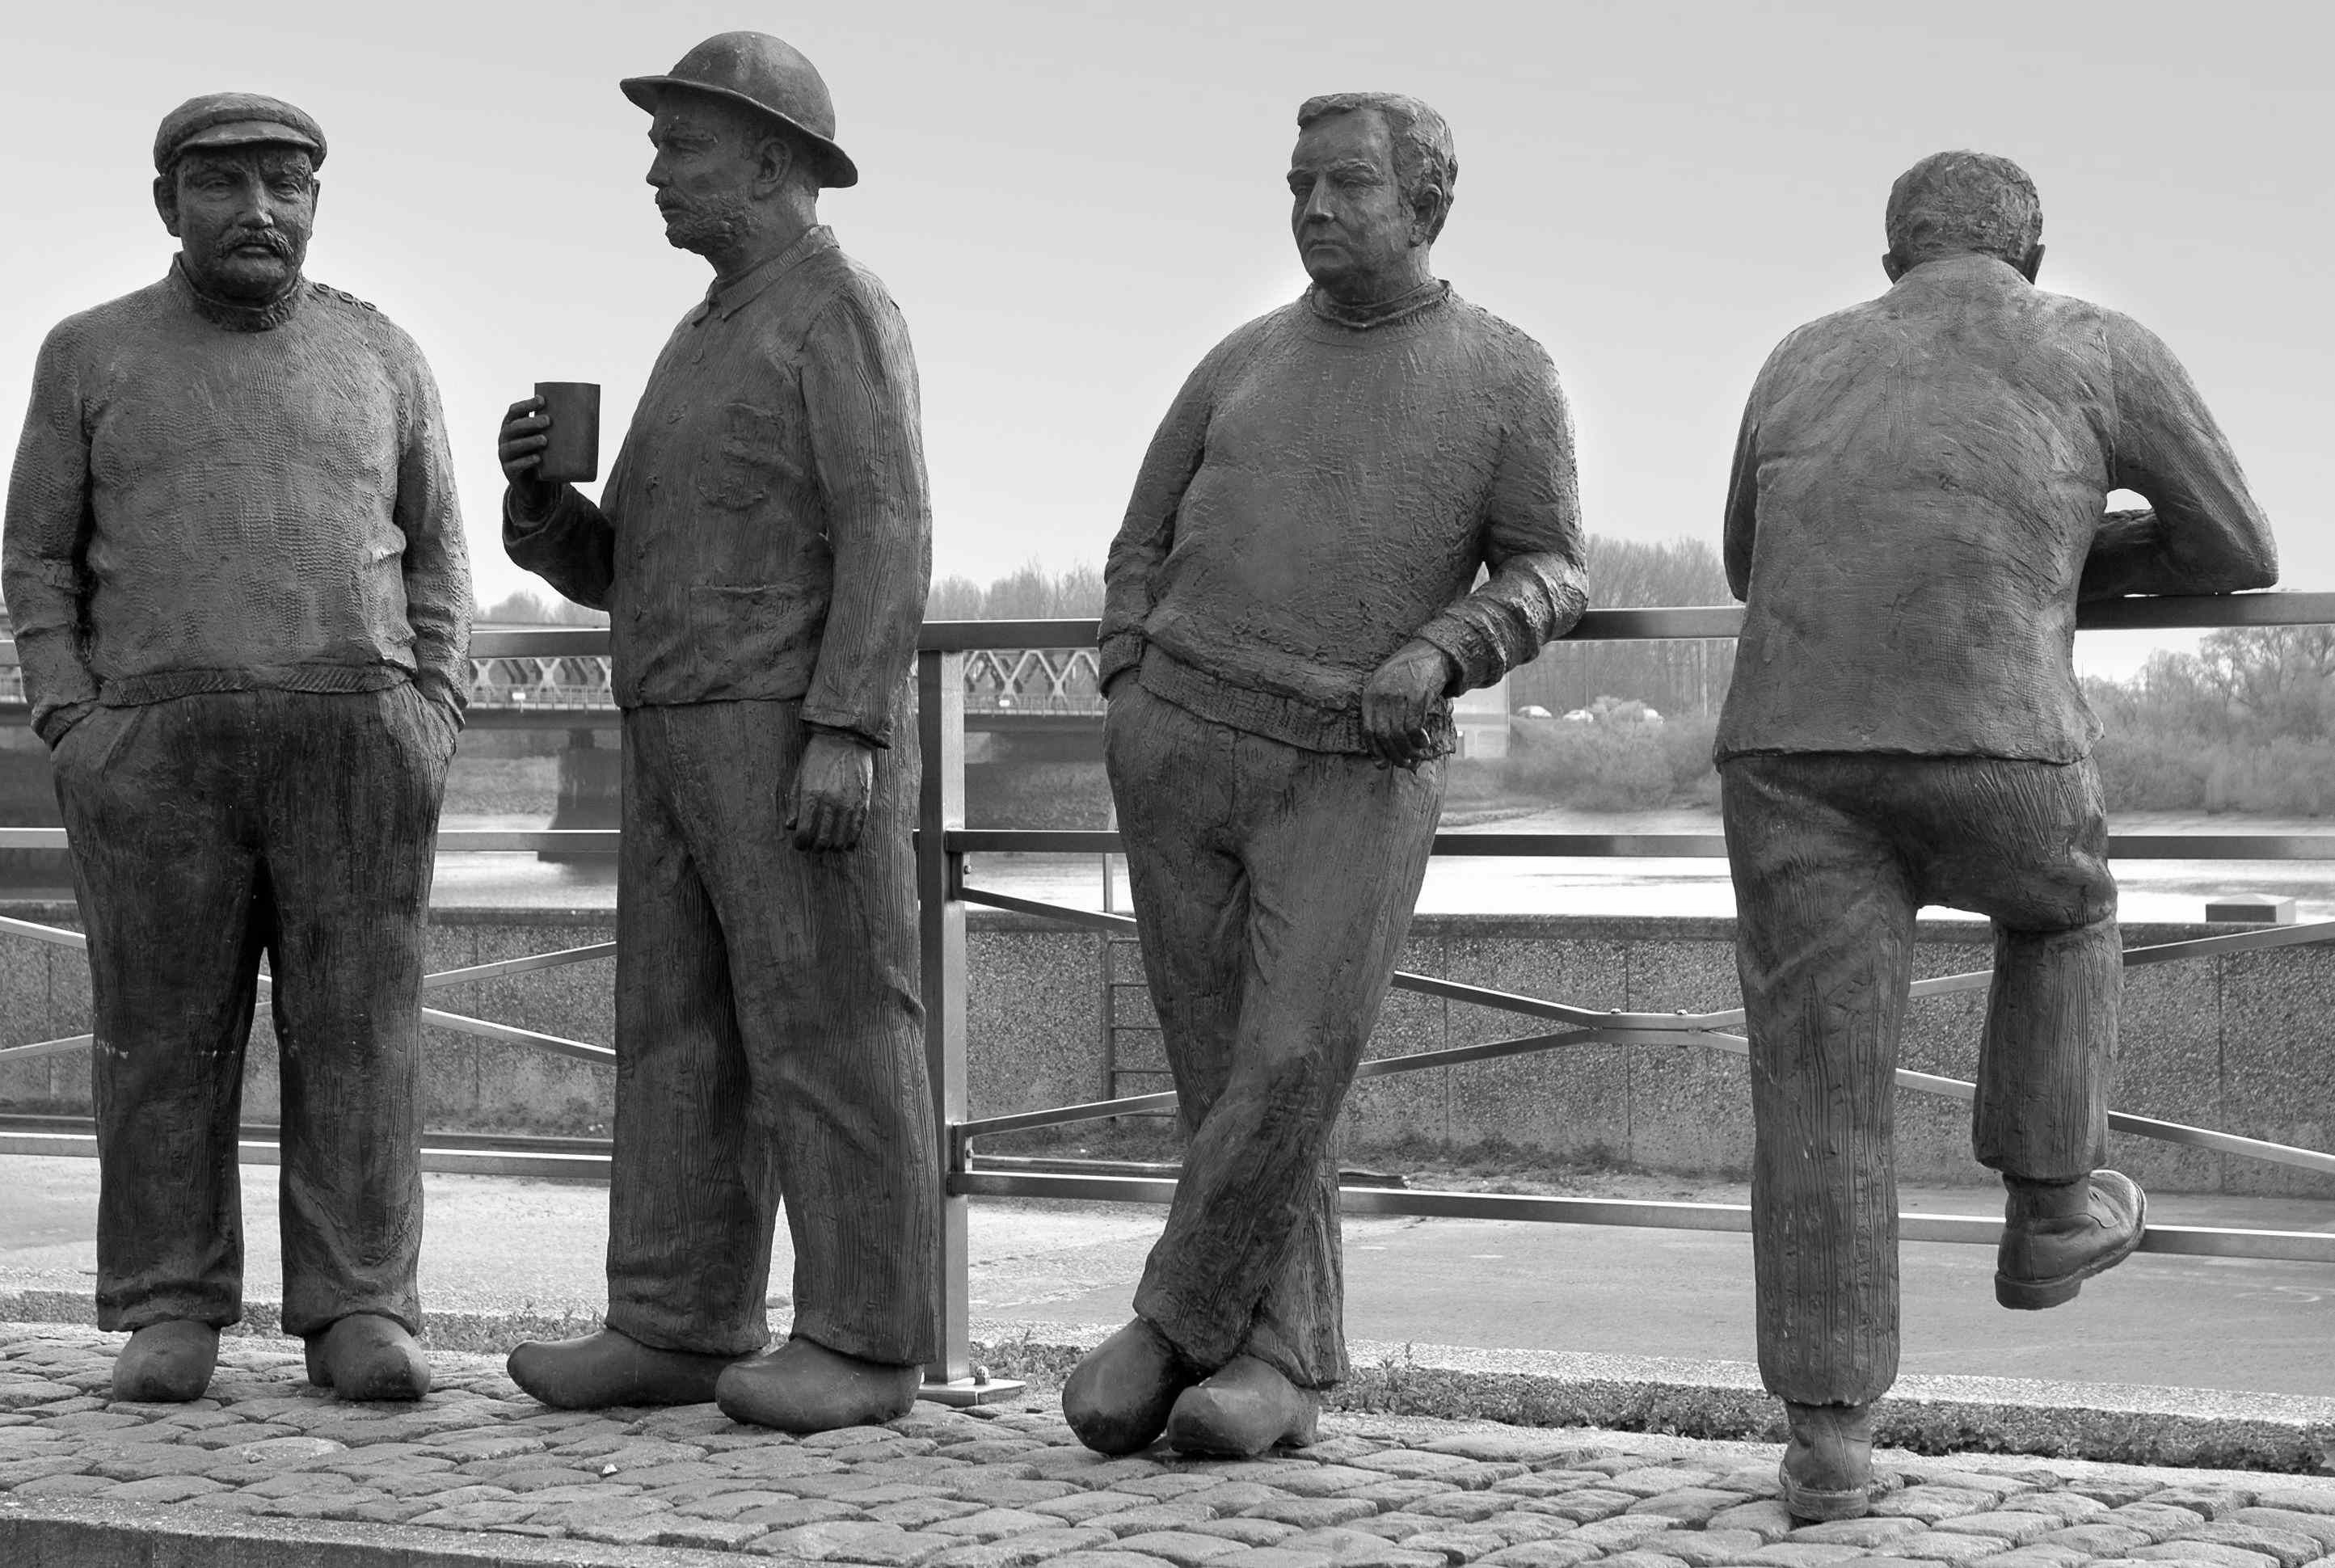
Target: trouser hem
887 1350
659 1332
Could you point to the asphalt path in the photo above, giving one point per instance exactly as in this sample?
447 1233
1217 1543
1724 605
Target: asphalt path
506 1244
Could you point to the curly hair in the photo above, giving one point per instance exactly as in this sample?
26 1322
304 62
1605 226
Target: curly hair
1956 203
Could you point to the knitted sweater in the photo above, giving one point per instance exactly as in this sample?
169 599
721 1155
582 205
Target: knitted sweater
216 498
1320 494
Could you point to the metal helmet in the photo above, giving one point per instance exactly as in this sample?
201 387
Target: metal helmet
763 72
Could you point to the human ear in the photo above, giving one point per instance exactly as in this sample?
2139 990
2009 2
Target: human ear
1892 265
775 160
166 202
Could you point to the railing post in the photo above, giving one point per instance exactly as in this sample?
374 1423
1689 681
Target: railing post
940 920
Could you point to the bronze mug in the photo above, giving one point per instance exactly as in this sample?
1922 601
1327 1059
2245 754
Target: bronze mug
571 453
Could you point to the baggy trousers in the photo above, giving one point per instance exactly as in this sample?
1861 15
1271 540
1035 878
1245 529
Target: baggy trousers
1274 887
1832 855
207 830
769 1040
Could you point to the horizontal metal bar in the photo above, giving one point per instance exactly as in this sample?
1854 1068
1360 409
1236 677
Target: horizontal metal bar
438 1159
1625 622
2182 611
575 840
1663 845
1968 1230
1721 621
1006 636
2264 847
466 840
582 1050
46 1048
503 967
539 643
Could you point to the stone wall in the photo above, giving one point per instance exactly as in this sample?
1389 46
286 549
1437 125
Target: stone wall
2233 1043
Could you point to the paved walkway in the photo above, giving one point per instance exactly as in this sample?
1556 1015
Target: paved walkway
1009 1488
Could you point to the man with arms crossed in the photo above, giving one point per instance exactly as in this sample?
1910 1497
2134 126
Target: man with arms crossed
762 548
1915 510
243 604
1289 610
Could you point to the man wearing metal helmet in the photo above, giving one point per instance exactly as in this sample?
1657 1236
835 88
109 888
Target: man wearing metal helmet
762 546
243 606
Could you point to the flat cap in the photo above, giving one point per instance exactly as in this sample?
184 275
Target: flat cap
235 120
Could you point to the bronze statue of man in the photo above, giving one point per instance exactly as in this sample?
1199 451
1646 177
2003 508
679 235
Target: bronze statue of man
1915 510
1290 606
762 547
243 606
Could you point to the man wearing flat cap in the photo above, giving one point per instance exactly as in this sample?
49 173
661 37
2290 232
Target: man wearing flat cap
762 547
242 604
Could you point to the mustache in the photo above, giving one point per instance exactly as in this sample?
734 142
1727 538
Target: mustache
276 240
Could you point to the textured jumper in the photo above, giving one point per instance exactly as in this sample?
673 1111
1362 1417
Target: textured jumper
1917 504
766 532
210 497
1319 494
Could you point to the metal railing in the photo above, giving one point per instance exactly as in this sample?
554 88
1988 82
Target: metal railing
945 894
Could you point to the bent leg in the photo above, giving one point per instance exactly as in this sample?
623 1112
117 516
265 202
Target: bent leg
1824 948
2035 861
1335 849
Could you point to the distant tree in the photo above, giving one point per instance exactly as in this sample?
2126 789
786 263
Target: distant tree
2245 723
1677 678
525 608
1029 592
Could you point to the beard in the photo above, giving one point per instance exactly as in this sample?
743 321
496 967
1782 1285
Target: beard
710 222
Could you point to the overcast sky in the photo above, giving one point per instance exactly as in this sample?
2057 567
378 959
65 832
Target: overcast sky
1073 201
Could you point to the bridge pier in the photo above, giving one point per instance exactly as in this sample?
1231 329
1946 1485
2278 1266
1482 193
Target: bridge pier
591 790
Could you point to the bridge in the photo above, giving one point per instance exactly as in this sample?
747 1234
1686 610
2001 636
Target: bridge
1020 691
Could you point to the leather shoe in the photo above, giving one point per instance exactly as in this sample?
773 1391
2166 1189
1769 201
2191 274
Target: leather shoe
1118 1398
365 1356
612 1368
1241 1410
1827 1468
167 1363
2058 1234
803 1387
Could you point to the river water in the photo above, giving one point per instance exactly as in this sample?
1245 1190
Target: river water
2150 890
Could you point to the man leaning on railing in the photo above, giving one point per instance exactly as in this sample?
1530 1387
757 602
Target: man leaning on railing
1915 510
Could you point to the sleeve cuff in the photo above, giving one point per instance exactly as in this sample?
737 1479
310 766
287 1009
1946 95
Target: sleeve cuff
1461 643
519 523
827 722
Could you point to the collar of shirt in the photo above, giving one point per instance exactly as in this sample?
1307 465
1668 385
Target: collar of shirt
234 315
1970 270
727 300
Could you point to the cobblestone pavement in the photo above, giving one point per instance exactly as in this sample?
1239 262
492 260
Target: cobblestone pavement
1009 1488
